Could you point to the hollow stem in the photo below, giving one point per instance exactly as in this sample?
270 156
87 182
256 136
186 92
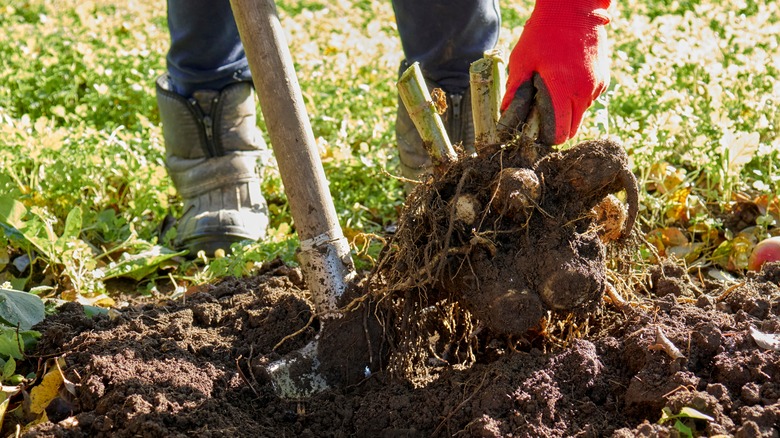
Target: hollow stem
487 88
414 94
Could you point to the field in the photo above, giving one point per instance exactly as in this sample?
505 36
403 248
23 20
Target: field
687 345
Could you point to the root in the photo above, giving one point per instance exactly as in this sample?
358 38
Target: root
460 405
448 235
455 253
297 332
628 180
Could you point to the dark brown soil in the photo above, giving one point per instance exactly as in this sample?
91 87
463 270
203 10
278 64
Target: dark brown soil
483 317
182 369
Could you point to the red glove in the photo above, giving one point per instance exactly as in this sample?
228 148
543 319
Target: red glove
560 65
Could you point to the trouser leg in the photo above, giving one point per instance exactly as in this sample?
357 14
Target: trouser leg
445 37
206 50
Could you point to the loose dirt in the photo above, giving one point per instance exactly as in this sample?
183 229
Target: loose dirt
484 317
190 368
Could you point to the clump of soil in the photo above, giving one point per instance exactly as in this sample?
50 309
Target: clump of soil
182 368
509 234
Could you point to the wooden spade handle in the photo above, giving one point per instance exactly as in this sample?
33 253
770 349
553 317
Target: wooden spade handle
325 257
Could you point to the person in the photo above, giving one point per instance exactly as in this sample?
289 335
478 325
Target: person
207 107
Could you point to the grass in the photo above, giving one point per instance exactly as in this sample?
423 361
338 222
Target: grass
693 97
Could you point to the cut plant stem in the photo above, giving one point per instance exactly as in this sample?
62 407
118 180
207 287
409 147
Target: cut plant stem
414 94
487 88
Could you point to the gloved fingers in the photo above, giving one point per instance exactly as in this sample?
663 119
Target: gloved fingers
518 109
563 118
553 126
558 121
578 111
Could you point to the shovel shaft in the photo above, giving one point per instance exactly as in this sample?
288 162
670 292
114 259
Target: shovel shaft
325 258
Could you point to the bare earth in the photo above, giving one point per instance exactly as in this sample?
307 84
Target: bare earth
183 369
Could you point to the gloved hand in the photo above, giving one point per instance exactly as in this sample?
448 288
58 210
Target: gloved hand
559 65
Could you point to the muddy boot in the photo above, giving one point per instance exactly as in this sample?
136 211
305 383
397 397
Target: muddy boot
212 147
457 120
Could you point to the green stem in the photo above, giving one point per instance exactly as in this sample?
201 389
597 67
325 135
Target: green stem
414 94
499 80
487 88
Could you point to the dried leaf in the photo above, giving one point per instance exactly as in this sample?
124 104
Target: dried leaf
663 238
674 237
664 177
678 205
46 391
769 205
69 386
705 230
742 246
439 99
767 341
693 413
3 406
733 254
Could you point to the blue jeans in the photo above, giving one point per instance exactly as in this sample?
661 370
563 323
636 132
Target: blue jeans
444 36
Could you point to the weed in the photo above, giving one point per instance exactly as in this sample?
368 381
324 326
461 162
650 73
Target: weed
685 420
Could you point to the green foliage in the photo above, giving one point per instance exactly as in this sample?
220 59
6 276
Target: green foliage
140 265
84 190
684 421
19 312
247 257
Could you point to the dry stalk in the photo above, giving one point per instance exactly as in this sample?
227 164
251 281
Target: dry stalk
663 343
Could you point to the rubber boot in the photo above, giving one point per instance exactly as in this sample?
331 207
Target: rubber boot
213 147
458 122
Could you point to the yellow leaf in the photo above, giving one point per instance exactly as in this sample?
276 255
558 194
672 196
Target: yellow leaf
706 231
665 238
3 407
656 238
742 246
40 420
678 205
673 237
664 177
769 205
46 391
101 300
